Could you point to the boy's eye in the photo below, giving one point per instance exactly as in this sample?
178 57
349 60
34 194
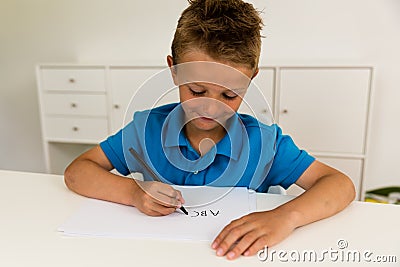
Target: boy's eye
196 92
229 96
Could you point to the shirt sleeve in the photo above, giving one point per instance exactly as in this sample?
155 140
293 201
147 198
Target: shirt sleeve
289 163
112 148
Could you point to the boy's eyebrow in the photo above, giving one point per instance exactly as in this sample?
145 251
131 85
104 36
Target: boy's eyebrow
199 85
231 89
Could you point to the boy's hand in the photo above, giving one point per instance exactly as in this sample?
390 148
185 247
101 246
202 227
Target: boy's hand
157 199
247 235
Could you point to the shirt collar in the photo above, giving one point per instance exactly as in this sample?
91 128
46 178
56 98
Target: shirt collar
230 145
171 130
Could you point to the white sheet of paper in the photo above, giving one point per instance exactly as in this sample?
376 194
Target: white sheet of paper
210 209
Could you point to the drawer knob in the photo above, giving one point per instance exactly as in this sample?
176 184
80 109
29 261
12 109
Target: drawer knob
73 105
71 80
75 129
285 111
116 106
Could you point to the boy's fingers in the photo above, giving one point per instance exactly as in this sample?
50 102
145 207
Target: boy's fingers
225 231
162 210
162 193
241 246
175 196
180 197
166 201
167 190
260 243
235 232
159 210
162 199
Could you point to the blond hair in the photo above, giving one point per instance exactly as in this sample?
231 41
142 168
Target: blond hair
227 30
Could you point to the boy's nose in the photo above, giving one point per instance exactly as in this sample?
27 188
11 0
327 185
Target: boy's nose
213 107
210 107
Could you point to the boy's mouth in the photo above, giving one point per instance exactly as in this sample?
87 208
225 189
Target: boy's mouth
207 118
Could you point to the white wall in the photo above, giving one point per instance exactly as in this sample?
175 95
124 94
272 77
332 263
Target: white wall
297 32
342 31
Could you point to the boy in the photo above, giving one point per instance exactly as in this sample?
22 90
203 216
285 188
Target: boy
215 54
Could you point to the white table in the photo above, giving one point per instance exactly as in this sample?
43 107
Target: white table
33 206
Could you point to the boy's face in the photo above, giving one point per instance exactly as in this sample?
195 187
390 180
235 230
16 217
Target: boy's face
210 91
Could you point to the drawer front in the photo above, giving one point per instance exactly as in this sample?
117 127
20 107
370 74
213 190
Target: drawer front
90 129
325 110
74 104
76 80
124 84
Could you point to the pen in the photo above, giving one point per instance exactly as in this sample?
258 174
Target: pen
151 172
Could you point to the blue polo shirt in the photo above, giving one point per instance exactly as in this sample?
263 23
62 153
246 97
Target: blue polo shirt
251 154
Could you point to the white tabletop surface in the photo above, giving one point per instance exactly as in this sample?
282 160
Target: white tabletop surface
33 206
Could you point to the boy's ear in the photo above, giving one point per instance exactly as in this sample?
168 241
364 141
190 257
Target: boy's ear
255 73
172 68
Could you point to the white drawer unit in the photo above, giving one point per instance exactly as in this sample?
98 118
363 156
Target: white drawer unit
74 104
73 79
74 110
325 109
76 130
125 82
320 104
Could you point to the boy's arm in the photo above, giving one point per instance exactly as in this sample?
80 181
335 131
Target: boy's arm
328 191
89 175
